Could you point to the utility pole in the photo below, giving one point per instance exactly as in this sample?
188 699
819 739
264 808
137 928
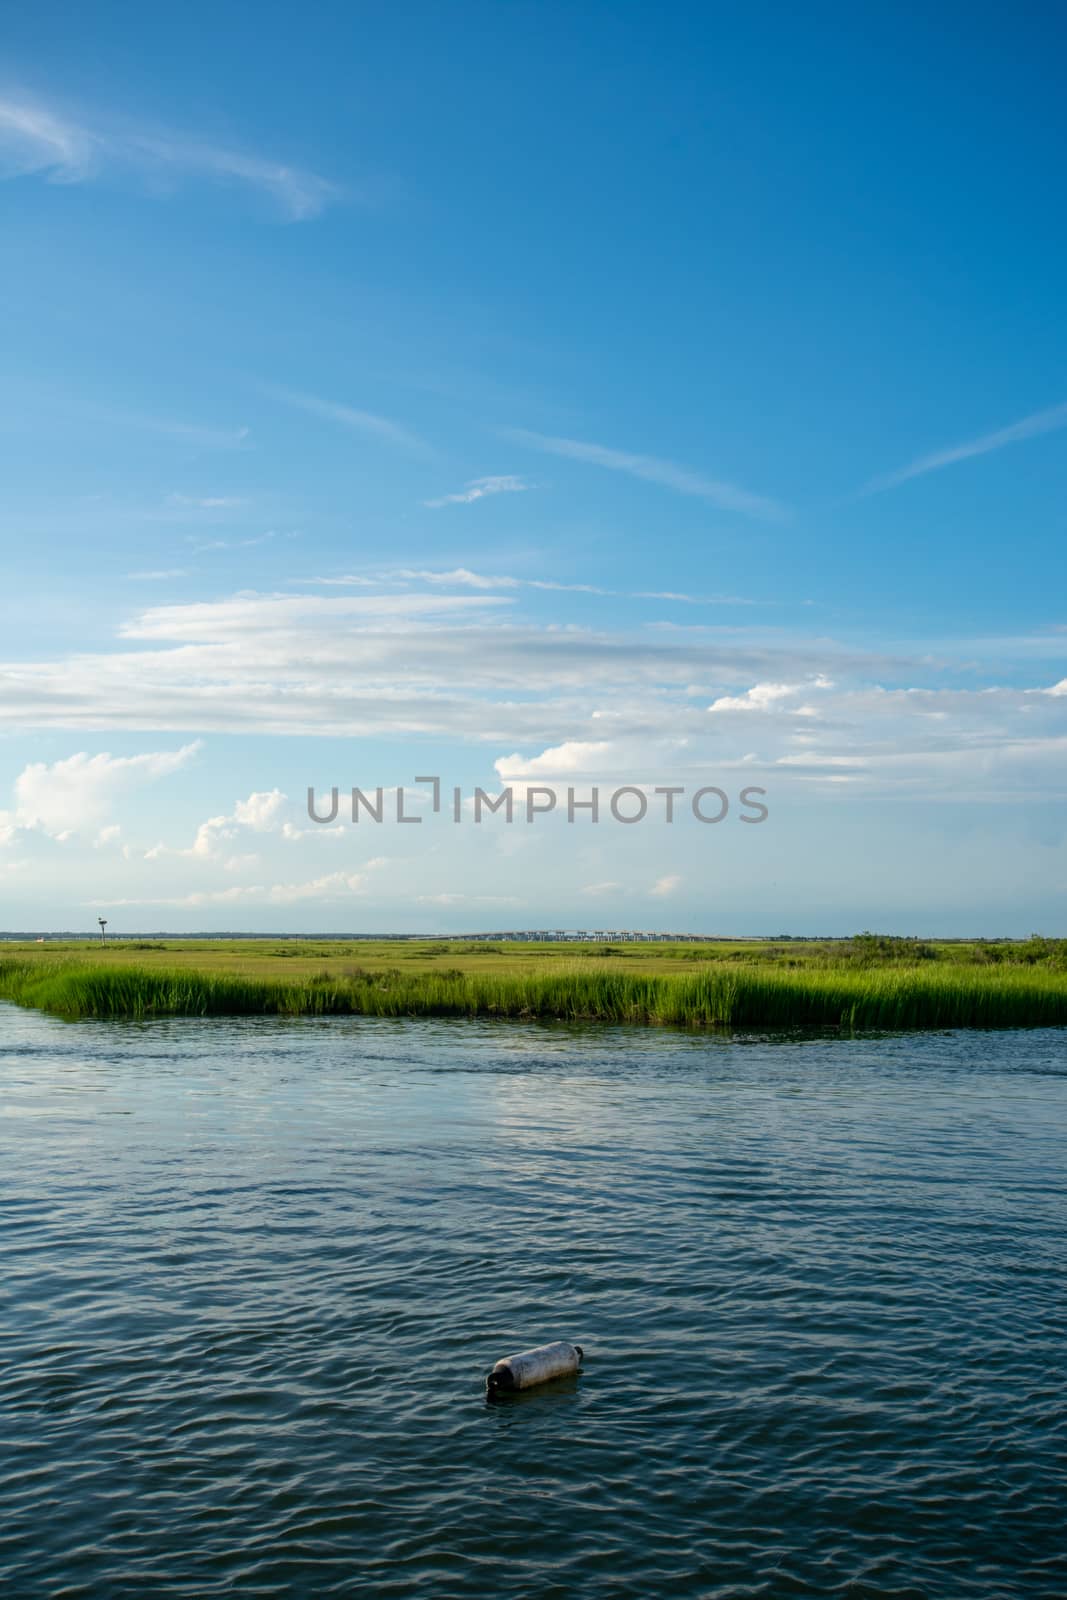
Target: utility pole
103 924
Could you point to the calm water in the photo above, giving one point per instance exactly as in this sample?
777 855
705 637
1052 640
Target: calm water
254 1274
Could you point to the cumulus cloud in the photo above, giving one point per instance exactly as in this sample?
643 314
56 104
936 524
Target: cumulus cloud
666 886
575 756
261 810
769 696
77 793
260 813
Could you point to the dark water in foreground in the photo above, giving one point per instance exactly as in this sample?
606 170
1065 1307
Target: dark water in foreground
254 1274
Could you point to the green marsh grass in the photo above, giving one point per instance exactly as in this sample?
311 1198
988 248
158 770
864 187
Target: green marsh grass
715 995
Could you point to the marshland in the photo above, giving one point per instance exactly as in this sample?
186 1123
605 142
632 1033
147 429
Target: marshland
868 982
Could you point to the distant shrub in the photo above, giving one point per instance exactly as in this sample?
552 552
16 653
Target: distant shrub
869 949
1039 951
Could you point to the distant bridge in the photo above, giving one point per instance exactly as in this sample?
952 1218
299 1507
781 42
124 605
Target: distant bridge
588 936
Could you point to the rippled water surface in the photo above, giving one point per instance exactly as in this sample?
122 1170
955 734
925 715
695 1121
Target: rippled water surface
254 1274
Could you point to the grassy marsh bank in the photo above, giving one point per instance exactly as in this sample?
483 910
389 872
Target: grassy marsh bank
728 987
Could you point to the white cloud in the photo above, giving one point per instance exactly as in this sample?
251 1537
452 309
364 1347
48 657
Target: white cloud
338 833
345 581
214 502
1027 428
463 577
666 886
38 139
631 705
608 887
159 574
260 813
333 886
457 577
247 614
33 139
575 756
478 489
261 810
568 588
769 697
200 546
78 792
728 496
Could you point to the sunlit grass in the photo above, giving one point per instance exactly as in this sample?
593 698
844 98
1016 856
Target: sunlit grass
711 995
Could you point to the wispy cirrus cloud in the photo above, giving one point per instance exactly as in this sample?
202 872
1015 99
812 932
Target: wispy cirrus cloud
367 422
200 546
479 489
455 577
654 469
38 139
345 580
1048 421
210 502
197 435
464 578
34 139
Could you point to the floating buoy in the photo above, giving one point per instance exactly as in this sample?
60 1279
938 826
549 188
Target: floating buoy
534 1366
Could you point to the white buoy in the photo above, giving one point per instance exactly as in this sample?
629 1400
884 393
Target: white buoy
534 1366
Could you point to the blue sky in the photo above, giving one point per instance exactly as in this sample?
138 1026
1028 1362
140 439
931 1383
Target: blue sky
533 394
